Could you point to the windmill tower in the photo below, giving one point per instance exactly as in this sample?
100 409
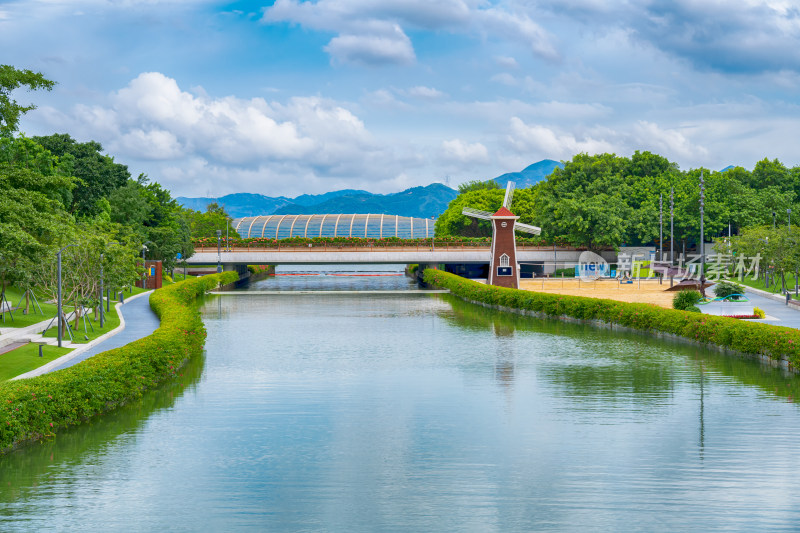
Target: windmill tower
503 269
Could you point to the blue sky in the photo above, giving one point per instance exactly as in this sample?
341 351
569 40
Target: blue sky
294 96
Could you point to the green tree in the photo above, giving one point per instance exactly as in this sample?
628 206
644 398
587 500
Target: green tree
98 175
477 185
206 224
10 110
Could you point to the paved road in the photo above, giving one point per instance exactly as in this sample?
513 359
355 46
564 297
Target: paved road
778 313
140 321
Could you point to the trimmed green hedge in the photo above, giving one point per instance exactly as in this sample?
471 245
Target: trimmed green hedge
775 342
32 409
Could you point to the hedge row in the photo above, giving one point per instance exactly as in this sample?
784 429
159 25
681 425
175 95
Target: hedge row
775 342
32 409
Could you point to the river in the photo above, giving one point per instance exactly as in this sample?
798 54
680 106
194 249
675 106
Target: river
418 412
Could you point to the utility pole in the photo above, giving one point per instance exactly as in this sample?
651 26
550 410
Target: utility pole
661 225
702 237
671 225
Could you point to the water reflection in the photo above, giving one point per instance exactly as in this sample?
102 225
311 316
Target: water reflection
48 467
424 413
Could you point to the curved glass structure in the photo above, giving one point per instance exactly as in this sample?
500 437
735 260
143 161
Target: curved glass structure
334 225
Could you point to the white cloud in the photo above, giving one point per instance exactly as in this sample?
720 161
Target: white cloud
458 151
426 93
505 78
506 62
363 26
551 144
392 47
670 143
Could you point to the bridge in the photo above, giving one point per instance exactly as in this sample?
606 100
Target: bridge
380 253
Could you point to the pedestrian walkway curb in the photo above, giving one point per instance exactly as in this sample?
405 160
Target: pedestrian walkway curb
44 369
771 295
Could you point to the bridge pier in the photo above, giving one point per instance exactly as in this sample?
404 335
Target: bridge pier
244 274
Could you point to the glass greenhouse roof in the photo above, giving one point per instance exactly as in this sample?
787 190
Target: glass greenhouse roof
334 225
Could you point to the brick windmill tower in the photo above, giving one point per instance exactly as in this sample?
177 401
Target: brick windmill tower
503 269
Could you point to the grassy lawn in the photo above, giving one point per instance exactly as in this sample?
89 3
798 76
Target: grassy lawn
111 322
26 358
14 295
774 288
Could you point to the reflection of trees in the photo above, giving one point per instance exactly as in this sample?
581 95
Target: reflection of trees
624 366
620 379
28 470
774 381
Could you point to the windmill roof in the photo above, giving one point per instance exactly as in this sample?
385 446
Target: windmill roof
503 212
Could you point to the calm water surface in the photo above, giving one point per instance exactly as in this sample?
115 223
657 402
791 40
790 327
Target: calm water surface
324 412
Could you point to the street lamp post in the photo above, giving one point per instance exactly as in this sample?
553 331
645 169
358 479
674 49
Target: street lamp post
773 219
144 266
60 311
102 313
702 237
219 252
671 225
661 225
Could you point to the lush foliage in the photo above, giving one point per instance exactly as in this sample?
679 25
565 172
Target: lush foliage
774 342
205 225
683 300
759 313
606 200
36 408
10 110
778 250
727 288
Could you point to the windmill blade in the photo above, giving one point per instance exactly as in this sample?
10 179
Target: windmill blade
476 213
509 195
527 228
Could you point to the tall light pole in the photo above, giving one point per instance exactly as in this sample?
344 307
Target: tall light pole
702 236
661 225
219 254
671 225
102 313
60 310
773 219
144 266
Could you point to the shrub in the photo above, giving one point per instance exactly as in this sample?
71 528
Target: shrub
693 309
758 312
32 409
726 288
685 299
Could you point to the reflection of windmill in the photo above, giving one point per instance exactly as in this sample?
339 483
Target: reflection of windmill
503 269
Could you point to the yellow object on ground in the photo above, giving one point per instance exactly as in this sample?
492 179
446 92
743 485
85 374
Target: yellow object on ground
644 291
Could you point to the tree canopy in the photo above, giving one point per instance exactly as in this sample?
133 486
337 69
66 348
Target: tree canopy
10 110
605 200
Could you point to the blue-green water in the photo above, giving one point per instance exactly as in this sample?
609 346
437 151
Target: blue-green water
422 413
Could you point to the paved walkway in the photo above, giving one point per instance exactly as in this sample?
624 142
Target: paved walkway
137 320
778 313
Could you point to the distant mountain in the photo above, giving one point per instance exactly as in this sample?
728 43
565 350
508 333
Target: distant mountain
240 204
530 175
423 202
313 199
